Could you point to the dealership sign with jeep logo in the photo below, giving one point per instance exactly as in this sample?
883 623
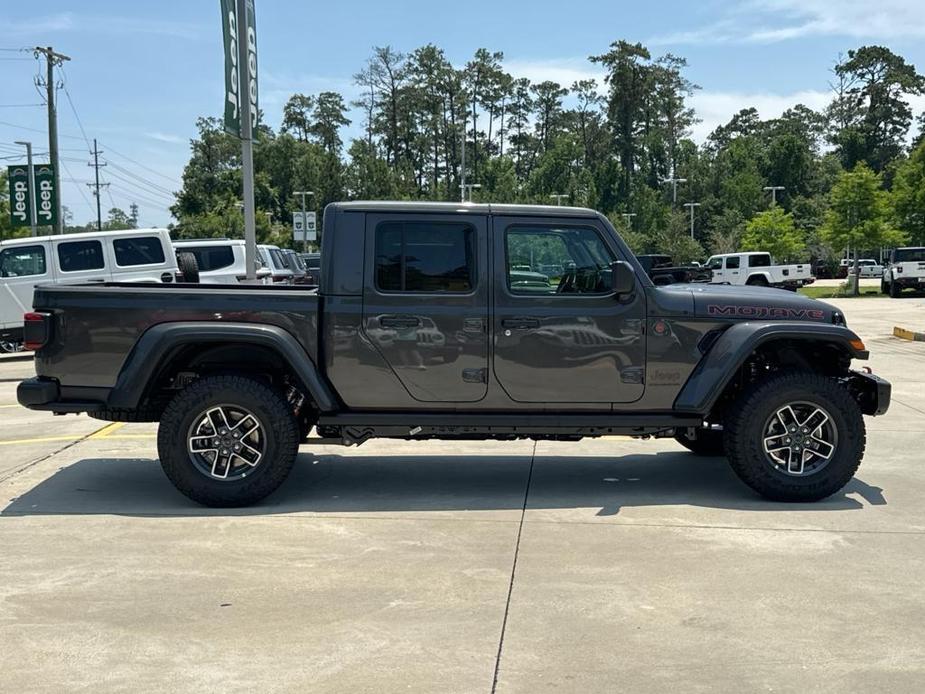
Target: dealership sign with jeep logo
45 196
234 83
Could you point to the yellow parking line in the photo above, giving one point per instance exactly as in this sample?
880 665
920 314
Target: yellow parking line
107 430
5 407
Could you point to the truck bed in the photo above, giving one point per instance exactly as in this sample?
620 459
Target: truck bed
95 326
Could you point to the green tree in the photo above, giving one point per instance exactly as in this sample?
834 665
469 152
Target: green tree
774 231
908 196
857 218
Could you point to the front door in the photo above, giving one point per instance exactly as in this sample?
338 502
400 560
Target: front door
560 335
426 307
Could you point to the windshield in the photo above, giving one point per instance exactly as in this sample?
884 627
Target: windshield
908 255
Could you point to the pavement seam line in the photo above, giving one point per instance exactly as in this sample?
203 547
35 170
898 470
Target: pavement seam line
25 467
510 587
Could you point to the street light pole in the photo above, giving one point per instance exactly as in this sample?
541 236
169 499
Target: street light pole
303 193
628 218
469 187
558 198
31 175
692 205
774 190
674 187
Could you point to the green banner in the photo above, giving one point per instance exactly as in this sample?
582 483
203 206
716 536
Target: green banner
239 83
46 202
20 211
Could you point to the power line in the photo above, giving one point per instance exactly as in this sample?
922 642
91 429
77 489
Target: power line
138 163
142 189
142 179
21 105
36 130
73 108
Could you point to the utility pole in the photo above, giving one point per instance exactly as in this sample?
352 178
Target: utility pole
558 197
774 190
31 175
96 186
303 193
462 166
674 187
51 60
692 205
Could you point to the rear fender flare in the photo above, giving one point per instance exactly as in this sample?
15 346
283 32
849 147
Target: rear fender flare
727 355
157 343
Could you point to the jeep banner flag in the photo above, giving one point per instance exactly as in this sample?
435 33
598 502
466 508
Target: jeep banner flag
46 202
236 80
20 210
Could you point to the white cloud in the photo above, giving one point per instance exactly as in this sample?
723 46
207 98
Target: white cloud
166 137
771 21
715 108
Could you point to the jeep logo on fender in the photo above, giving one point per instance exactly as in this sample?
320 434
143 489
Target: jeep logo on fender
773 312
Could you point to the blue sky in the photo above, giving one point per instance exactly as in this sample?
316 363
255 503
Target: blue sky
142 72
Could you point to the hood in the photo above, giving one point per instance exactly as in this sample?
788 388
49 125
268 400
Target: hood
759 303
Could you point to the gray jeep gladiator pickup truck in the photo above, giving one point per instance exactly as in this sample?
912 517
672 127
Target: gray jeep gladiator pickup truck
423 328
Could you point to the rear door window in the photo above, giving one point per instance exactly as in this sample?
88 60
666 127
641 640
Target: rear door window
425 257
75 256
142 250
22 261
732 263
211 258
759 260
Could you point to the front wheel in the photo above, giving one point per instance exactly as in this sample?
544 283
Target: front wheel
884 287
796 436
227 441
894 290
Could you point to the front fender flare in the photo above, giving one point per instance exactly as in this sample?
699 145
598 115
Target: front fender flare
727 355
157 343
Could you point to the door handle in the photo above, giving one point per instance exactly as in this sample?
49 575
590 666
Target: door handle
520 323
96 279
399 322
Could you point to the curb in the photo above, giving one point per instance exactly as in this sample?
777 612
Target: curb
908 334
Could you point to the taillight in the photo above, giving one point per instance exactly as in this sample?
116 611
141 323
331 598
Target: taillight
36 330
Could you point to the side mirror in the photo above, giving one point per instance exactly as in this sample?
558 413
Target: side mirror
622 277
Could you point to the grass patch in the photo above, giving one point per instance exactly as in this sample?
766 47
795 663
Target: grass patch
838 292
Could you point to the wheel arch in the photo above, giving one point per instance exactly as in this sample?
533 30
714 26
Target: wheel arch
167 348
810 346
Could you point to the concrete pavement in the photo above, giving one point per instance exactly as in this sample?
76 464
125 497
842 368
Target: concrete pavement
600 566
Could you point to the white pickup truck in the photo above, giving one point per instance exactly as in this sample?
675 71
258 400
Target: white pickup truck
905 270
758 269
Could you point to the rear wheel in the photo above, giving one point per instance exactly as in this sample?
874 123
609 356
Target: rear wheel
757 281
702 442
796 436
227 441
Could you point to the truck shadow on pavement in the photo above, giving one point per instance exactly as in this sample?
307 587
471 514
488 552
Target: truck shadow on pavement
360 484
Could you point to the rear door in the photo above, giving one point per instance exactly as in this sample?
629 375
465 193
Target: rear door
21 268
425 303
140 257
732 270
560 335
80 261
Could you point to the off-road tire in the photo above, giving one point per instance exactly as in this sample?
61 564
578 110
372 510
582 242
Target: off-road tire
757 281
708 442
269 406
745 424
895 291
189 267
884 287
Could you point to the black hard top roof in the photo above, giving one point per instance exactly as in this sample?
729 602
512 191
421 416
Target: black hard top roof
464 207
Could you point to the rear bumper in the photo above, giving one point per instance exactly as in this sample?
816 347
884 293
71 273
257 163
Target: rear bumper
872 392
45 394
910 282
